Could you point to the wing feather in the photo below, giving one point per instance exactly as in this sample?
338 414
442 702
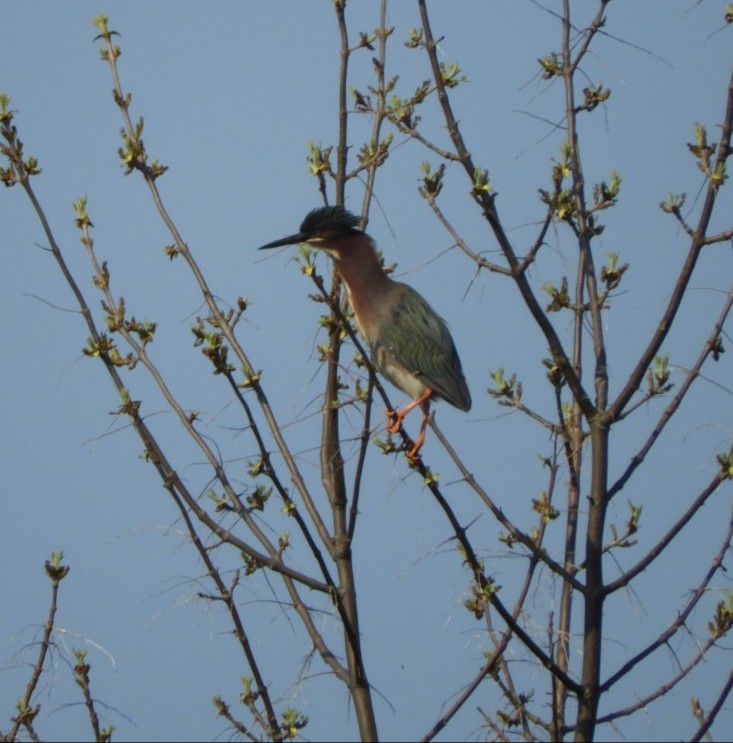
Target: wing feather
418 340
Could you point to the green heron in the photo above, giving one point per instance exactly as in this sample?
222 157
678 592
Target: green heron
409 342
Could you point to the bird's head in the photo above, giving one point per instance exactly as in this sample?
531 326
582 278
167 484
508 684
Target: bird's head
322 228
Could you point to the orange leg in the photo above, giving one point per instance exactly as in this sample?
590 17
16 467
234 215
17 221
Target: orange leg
412 455
395 418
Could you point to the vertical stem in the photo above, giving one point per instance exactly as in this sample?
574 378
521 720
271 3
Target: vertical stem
573 449
379 111
573 456
332 463
594 593
587 286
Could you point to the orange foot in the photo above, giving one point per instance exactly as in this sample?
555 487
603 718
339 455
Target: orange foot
395 418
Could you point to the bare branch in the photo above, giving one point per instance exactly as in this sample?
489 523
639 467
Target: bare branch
676 401
681 617
710 717
682 282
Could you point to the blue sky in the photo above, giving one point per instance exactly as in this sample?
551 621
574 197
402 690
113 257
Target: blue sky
231 94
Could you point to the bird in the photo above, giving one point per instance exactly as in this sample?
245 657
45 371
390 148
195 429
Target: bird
409 343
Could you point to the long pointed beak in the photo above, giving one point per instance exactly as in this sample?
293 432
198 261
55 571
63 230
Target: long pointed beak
299 237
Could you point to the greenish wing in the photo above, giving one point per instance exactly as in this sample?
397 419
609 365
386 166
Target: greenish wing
419 340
